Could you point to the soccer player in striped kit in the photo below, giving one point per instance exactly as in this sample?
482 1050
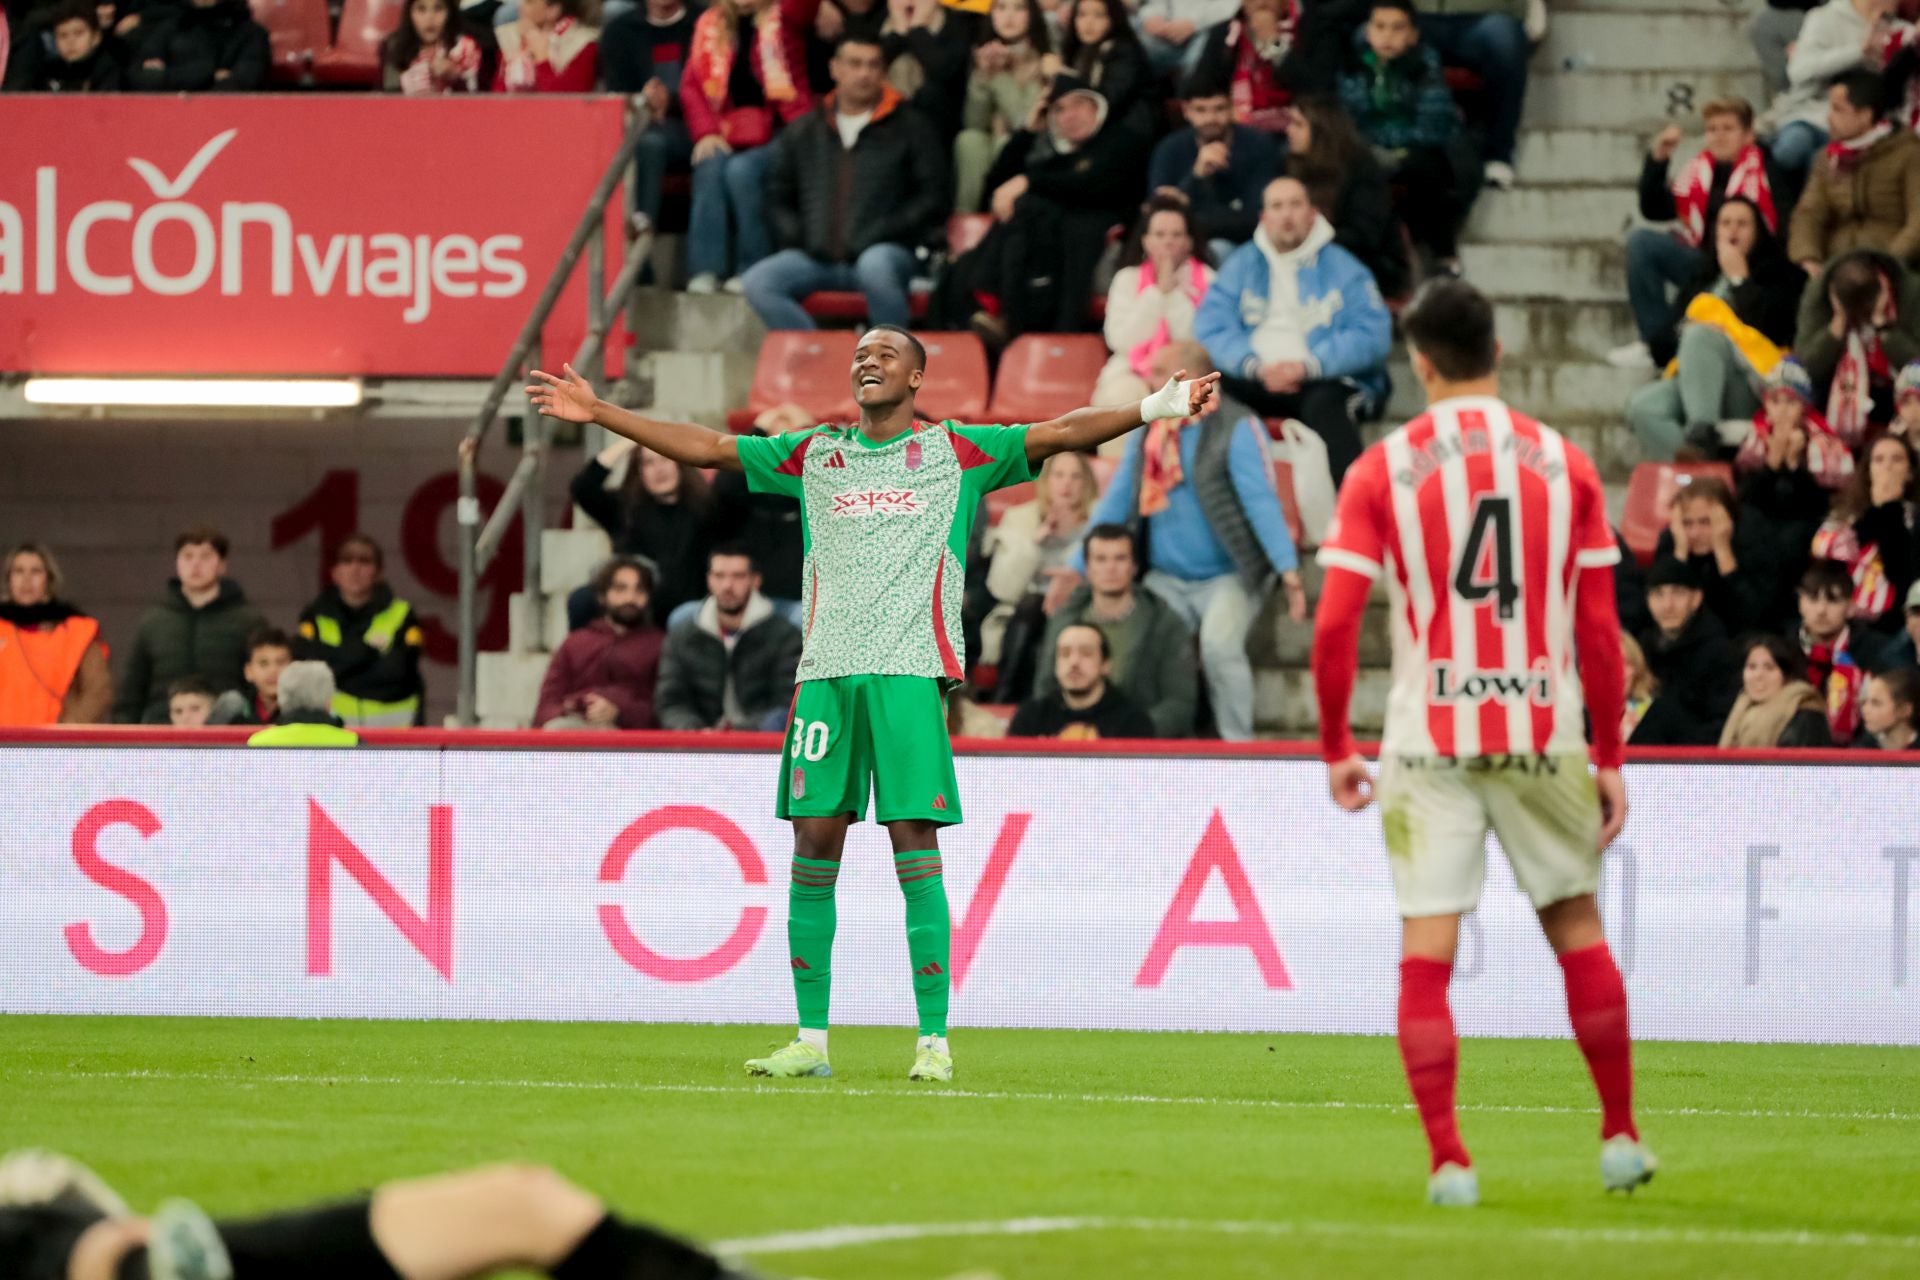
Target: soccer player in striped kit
1492 533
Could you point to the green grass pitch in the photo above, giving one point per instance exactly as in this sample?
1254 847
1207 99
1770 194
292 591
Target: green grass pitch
1056 1155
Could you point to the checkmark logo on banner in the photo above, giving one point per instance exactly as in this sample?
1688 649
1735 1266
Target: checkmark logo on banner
173 189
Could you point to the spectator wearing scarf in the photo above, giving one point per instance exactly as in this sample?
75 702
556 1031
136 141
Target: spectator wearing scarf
1199 497
1839 653
1787 416
746 74
1859 322
1776 706
1660 259
548 50
1875 532
1258 55
1152 301
1739 318
1860 193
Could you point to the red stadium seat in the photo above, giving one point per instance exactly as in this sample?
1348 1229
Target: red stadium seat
965 230
354 58
1650 495
956 381
849 306
298 32
1043 375
807 367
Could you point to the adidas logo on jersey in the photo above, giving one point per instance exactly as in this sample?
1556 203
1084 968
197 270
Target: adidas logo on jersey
836 461
940 803
884 502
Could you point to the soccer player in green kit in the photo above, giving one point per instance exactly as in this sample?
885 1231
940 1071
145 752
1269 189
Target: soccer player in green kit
887 505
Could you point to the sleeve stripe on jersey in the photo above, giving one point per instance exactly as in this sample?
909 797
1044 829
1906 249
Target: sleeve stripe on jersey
1352 561
796 460
970 454
1595 557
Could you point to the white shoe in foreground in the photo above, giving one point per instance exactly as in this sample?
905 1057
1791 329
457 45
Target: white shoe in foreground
183 1245
1626 1163
931 1064
1500 175
1634 355
35 1177
705 282
1453 1186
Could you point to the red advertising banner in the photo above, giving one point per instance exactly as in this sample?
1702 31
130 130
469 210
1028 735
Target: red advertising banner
226 234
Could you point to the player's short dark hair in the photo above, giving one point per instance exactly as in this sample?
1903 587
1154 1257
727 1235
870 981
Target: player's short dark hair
1108 532
1866 90
610 569
1785 653
195 535
194 686
1826 580
1106 649
268 638
733 551
74 11
1451 323
919 351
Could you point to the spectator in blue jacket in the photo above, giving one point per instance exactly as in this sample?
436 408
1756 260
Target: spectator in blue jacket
1217 166
1296 326
1398 97
643 51
1200 497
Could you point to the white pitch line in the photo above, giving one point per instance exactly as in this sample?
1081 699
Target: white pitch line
812 1090
847 1237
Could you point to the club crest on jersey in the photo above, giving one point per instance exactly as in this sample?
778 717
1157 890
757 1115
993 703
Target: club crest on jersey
878 502
913 455
1448 683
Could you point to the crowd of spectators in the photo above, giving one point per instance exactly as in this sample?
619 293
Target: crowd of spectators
1776 302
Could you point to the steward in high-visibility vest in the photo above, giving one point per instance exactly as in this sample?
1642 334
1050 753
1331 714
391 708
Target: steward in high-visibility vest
53 663
373 646
305 733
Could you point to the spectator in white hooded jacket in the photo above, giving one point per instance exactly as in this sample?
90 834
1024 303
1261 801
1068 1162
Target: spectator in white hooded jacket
1832 40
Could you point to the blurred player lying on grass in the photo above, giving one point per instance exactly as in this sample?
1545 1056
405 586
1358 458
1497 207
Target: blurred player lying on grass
59 1221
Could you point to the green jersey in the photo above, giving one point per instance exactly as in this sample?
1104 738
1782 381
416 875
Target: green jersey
885 530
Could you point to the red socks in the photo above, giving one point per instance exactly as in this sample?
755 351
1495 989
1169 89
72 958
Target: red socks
1597 1006
1431 1053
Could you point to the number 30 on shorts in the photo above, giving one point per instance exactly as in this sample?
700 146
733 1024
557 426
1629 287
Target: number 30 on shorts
809 740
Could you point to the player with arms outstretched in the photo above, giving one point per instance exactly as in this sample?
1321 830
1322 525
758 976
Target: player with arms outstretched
886 508
1492 532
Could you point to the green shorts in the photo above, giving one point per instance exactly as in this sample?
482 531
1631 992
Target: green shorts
887 734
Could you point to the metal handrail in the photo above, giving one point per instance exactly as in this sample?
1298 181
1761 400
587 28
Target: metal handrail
525 493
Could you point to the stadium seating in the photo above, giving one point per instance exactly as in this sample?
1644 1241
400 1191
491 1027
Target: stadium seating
956 382
298 33
1043 375
848 306
807 367
354 59
1650 495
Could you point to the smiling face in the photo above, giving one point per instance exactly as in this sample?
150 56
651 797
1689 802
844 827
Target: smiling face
1763 677
886 370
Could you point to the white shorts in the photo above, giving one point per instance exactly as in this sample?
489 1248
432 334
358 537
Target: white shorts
1436 811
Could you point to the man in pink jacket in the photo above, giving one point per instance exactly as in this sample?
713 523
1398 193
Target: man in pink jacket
603 676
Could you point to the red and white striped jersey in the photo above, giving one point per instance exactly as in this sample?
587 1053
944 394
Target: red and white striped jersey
1482 519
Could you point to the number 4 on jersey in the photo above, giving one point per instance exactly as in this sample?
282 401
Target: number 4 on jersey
1485 567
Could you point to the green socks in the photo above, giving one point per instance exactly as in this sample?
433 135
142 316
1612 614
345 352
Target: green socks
811 919
810 923
929 936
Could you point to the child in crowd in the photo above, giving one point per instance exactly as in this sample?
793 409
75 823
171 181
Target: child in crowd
82 60
189 702
1788 429
1886 712
429 54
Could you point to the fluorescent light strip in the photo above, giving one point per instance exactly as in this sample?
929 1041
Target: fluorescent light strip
196 393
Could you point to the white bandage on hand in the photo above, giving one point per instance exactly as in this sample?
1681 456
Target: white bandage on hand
1175 400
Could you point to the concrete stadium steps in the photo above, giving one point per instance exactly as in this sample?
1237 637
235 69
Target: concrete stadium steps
1628 99
1556 329
1284 704
1580 156
1575 272
1533 213
1647 38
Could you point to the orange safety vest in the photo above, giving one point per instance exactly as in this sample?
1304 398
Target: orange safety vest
37 668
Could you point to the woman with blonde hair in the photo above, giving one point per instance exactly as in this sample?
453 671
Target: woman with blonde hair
1641 686
53 663
1028 570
